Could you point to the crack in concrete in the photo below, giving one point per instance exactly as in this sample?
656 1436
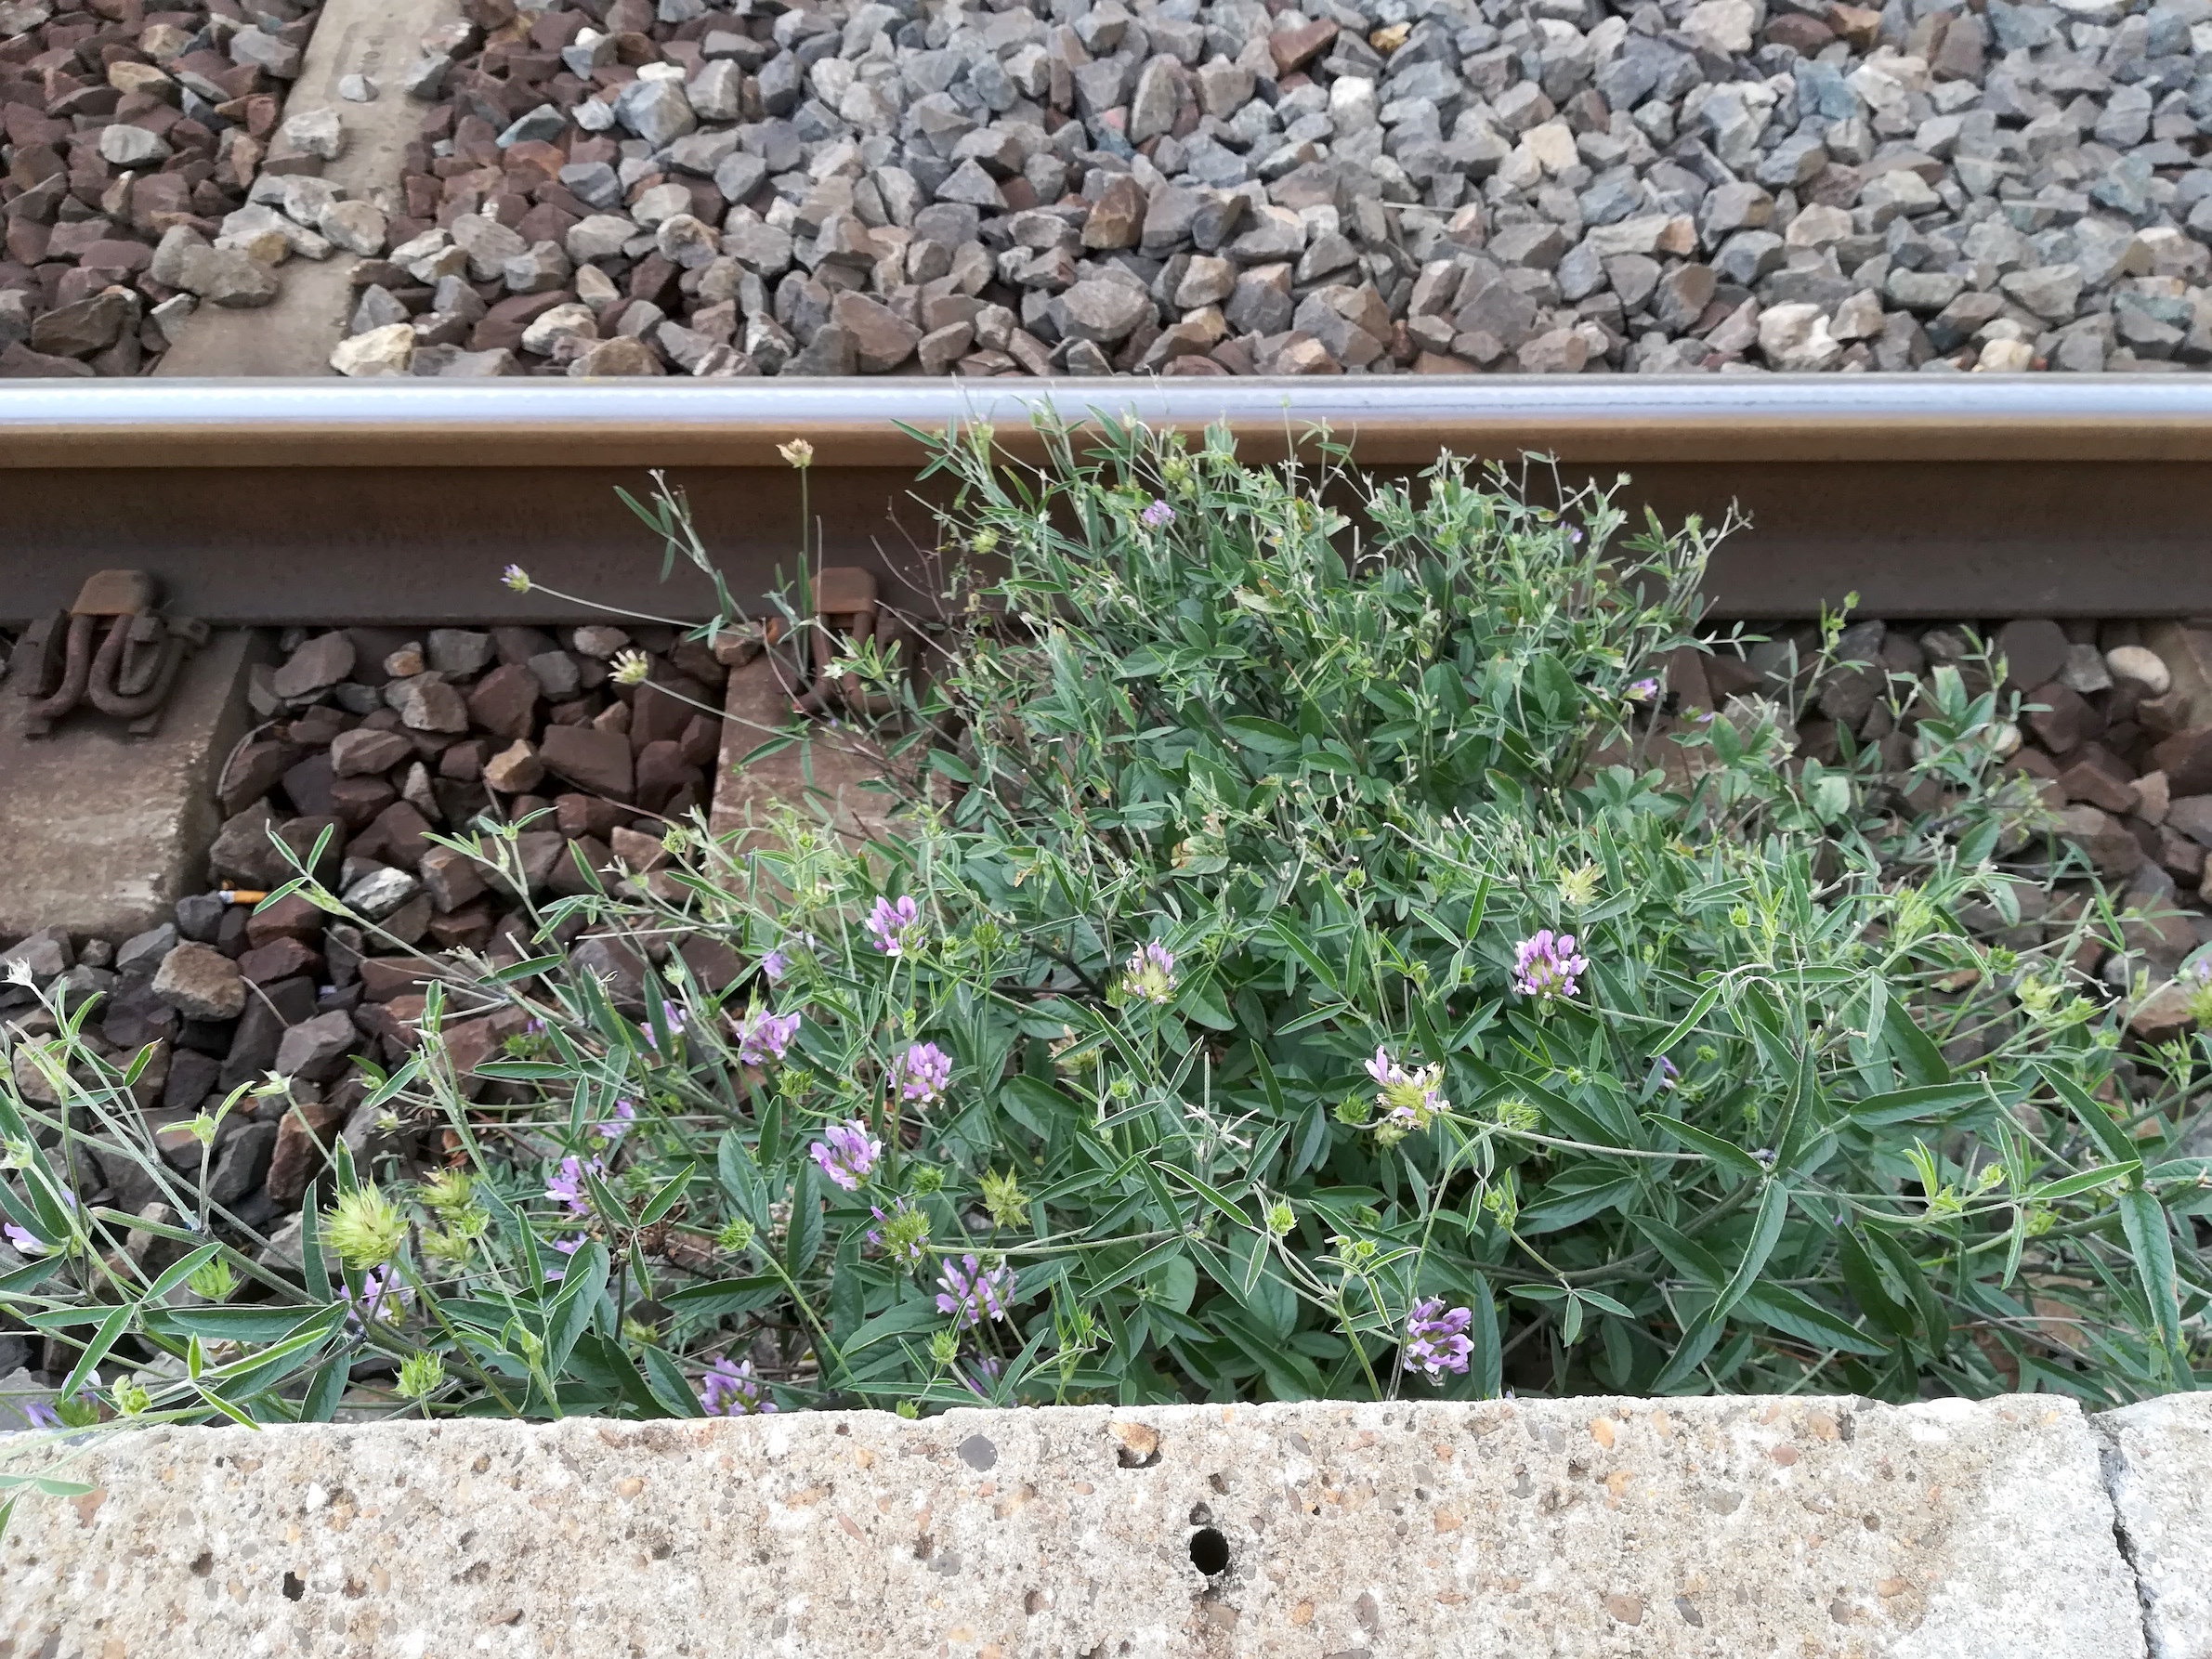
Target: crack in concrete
2113 1464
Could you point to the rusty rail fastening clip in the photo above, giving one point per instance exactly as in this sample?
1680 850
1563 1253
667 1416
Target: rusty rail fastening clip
129 673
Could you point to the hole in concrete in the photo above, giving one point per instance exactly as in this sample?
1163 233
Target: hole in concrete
1210 1550
294 1590
202 1564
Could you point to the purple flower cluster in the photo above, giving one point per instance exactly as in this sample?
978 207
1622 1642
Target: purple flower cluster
899 1232
895 929
25 1242
763 1036
973 1293
775 965
1407 1098
846 1152
569 1183
1546 966
381 1297
980 1375
1150 975
1157 515
1642 691
1438 1341
41 1414
924 1072
673 1015
611 1130
730 1391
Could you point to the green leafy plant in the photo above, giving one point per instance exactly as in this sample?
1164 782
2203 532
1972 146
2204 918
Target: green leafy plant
1312 958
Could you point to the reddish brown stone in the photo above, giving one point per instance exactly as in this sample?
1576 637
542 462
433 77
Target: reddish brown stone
394 837
713 964
304 1137
2109 845
2181 856
2186 759
471 1042
592 759
2066 720
661 771
504 703
2033 650
1294 48
2101 778
586 815
1802 34
383 978
501 326
355 801
468 928
280 959
665 706
290 917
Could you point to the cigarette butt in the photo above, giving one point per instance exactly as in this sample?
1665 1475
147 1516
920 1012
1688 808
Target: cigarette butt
242 896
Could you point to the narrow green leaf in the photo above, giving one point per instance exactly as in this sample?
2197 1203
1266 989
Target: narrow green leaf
907 1317
1766 1230
1926 1100
1917 1057
726 1296
2107 1134
665 1199
581 1287
666 1378
1727 1155
2151 1242
109 1333
1689 1022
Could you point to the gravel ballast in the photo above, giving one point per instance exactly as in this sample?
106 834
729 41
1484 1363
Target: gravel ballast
1239 188
1534 186
146 168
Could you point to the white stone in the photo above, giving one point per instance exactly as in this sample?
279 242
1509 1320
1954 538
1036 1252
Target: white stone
125 146
356 227
560 323
319 132
1722 27
1795 338
2140 666
388 350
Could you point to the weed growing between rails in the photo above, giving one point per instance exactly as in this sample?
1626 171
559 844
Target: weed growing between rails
1309 960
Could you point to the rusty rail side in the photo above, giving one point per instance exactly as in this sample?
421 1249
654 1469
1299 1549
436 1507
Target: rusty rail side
263 501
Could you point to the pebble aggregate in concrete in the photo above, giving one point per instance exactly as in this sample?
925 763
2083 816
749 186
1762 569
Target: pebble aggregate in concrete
1592 1527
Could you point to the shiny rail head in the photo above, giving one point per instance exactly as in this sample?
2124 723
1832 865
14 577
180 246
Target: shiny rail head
1387 420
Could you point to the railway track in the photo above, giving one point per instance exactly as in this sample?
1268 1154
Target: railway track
259 503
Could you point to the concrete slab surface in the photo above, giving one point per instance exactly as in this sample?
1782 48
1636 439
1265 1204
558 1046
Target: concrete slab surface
1724 1529
295 334
103 831
824 778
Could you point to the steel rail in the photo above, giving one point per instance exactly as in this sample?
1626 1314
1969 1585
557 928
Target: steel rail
281 500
